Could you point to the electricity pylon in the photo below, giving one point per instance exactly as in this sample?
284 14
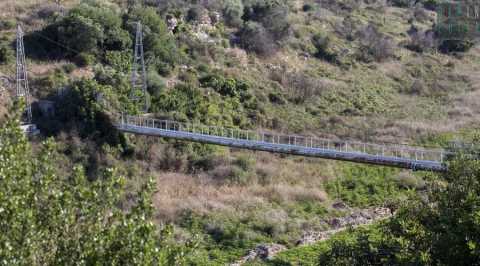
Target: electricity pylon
22 90
139 80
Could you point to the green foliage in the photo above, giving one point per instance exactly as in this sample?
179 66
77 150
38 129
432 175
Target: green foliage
183 99
402 3
84 59
156 84
271 14
121 61
255 38
445 230
188 103
7 24
226 86
49 219
160 47
449 46
87 29
441 229
110 23
322 44
431 4
266 26
6 54
233 12
69 68
364 186
81 109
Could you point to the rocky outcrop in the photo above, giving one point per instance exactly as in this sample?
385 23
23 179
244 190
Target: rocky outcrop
263 251
354 219
172 23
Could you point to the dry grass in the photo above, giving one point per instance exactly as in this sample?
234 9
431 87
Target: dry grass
290 182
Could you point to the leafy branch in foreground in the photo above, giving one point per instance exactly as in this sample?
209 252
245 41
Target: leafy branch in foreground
49 219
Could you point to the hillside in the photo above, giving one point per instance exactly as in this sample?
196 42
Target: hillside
370 71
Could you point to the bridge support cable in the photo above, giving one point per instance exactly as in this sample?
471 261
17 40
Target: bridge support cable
22 87
388 155
139 74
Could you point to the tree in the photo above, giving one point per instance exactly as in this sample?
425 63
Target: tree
254 37
374 45
160 47
266 26
52 218
6 54
91 29
441 229
233 12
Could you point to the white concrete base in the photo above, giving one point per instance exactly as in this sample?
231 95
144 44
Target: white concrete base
30 129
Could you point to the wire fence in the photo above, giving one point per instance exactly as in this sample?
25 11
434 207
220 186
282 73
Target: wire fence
384 150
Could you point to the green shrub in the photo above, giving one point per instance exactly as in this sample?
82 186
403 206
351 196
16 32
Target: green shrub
431 4
364 185
245 162
156 84
266 26
69 68
121 61
272 15
449 46
401 3
233 12
276 98
195 13
307 7
160 47
322 44
85 59
443 230
6 54
64 217
255 38
184 99
226 86
374 45
7 24
89 29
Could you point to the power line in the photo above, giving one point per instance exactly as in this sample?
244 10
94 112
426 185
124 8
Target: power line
55 42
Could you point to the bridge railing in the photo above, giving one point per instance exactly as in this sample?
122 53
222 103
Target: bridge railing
384 150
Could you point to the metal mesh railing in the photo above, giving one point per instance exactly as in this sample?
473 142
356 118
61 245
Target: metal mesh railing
384 150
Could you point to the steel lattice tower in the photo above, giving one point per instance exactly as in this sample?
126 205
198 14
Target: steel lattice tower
139 80
22 90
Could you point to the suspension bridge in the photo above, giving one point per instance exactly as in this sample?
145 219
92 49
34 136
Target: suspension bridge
400 156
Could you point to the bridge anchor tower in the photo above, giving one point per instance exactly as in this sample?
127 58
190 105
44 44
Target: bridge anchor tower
22 88
139 80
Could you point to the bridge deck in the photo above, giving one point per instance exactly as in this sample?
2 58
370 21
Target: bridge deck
387 155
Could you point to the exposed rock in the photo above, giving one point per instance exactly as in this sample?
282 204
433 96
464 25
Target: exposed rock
263 251
204 19
215 17
172 23
312 237
339 205
357 218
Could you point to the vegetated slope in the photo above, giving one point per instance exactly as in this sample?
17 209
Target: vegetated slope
343 69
